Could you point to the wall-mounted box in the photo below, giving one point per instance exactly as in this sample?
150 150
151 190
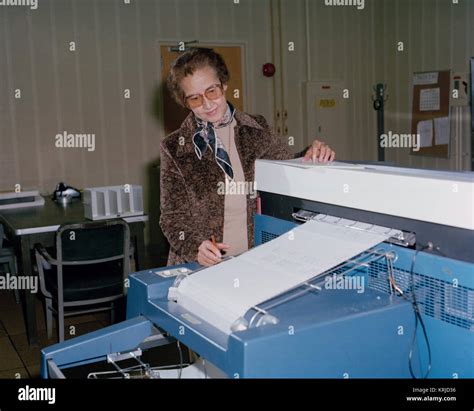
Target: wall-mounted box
101 203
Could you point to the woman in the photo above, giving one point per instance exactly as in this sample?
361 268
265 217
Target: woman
215 147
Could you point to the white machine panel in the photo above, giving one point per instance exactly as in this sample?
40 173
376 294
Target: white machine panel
439 197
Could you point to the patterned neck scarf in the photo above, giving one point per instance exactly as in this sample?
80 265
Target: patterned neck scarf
205 136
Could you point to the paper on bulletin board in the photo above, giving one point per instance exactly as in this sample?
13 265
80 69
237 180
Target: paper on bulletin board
441 126
429 99
425 132
421 79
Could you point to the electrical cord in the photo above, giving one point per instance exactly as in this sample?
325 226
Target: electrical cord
180 360
418 318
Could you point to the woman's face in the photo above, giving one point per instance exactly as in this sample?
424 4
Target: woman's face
197 84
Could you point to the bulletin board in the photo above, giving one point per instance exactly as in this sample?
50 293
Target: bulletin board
430 112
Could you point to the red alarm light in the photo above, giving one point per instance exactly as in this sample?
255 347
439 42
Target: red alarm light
268 69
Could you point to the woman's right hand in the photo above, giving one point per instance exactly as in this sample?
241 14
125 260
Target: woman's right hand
210 254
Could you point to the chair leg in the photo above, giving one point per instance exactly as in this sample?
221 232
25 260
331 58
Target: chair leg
14 271
61 322
112 313
49 317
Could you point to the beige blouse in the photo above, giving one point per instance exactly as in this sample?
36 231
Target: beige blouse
235 208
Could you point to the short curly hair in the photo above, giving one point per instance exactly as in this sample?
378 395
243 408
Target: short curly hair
188 62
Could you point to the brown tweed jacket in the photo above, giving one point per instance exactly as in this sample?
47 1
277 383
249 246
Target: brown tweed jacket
192 210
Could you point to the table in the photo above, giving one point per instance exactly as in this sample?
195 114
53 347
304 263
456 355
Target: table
30 225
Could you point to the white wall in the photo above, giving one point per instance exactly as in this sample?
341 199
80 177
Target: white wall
340 45
118 48
359 48
437 35
82 91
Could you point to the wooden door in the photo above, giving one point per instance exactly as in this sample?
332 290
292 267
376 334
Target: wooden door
173 113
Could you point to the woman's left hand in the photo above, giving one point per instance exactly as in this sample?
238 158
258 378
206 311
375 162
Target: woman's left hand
319 151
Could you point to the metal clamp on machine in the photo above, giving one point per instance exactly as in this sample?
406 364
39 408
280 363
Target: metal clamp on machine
403 238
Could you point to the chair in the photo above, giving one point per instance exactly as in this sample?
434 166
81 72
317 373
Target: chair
90 266
7 256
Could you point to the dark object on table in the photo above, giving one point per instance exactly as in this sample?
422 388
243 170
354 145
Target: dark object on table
65 194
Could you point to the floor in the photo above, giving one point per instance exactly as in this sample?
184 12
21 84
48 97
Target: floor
17 358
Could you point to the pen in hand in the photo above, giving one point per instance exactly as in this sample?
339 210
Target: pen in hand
213 240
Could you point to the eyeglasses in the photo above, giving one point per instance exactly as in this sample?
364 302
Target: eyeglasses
197 100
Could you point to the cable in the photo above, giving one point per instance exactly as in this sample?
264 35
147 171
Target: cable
180 360
418 318
205 368
391 278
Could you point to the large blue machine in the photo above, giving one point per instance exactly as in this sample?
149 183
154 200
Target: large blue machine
322 333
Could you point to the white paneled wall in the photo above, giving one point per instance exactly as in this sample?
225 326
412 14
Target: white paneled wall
437 35
117 48
359 47
339 42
